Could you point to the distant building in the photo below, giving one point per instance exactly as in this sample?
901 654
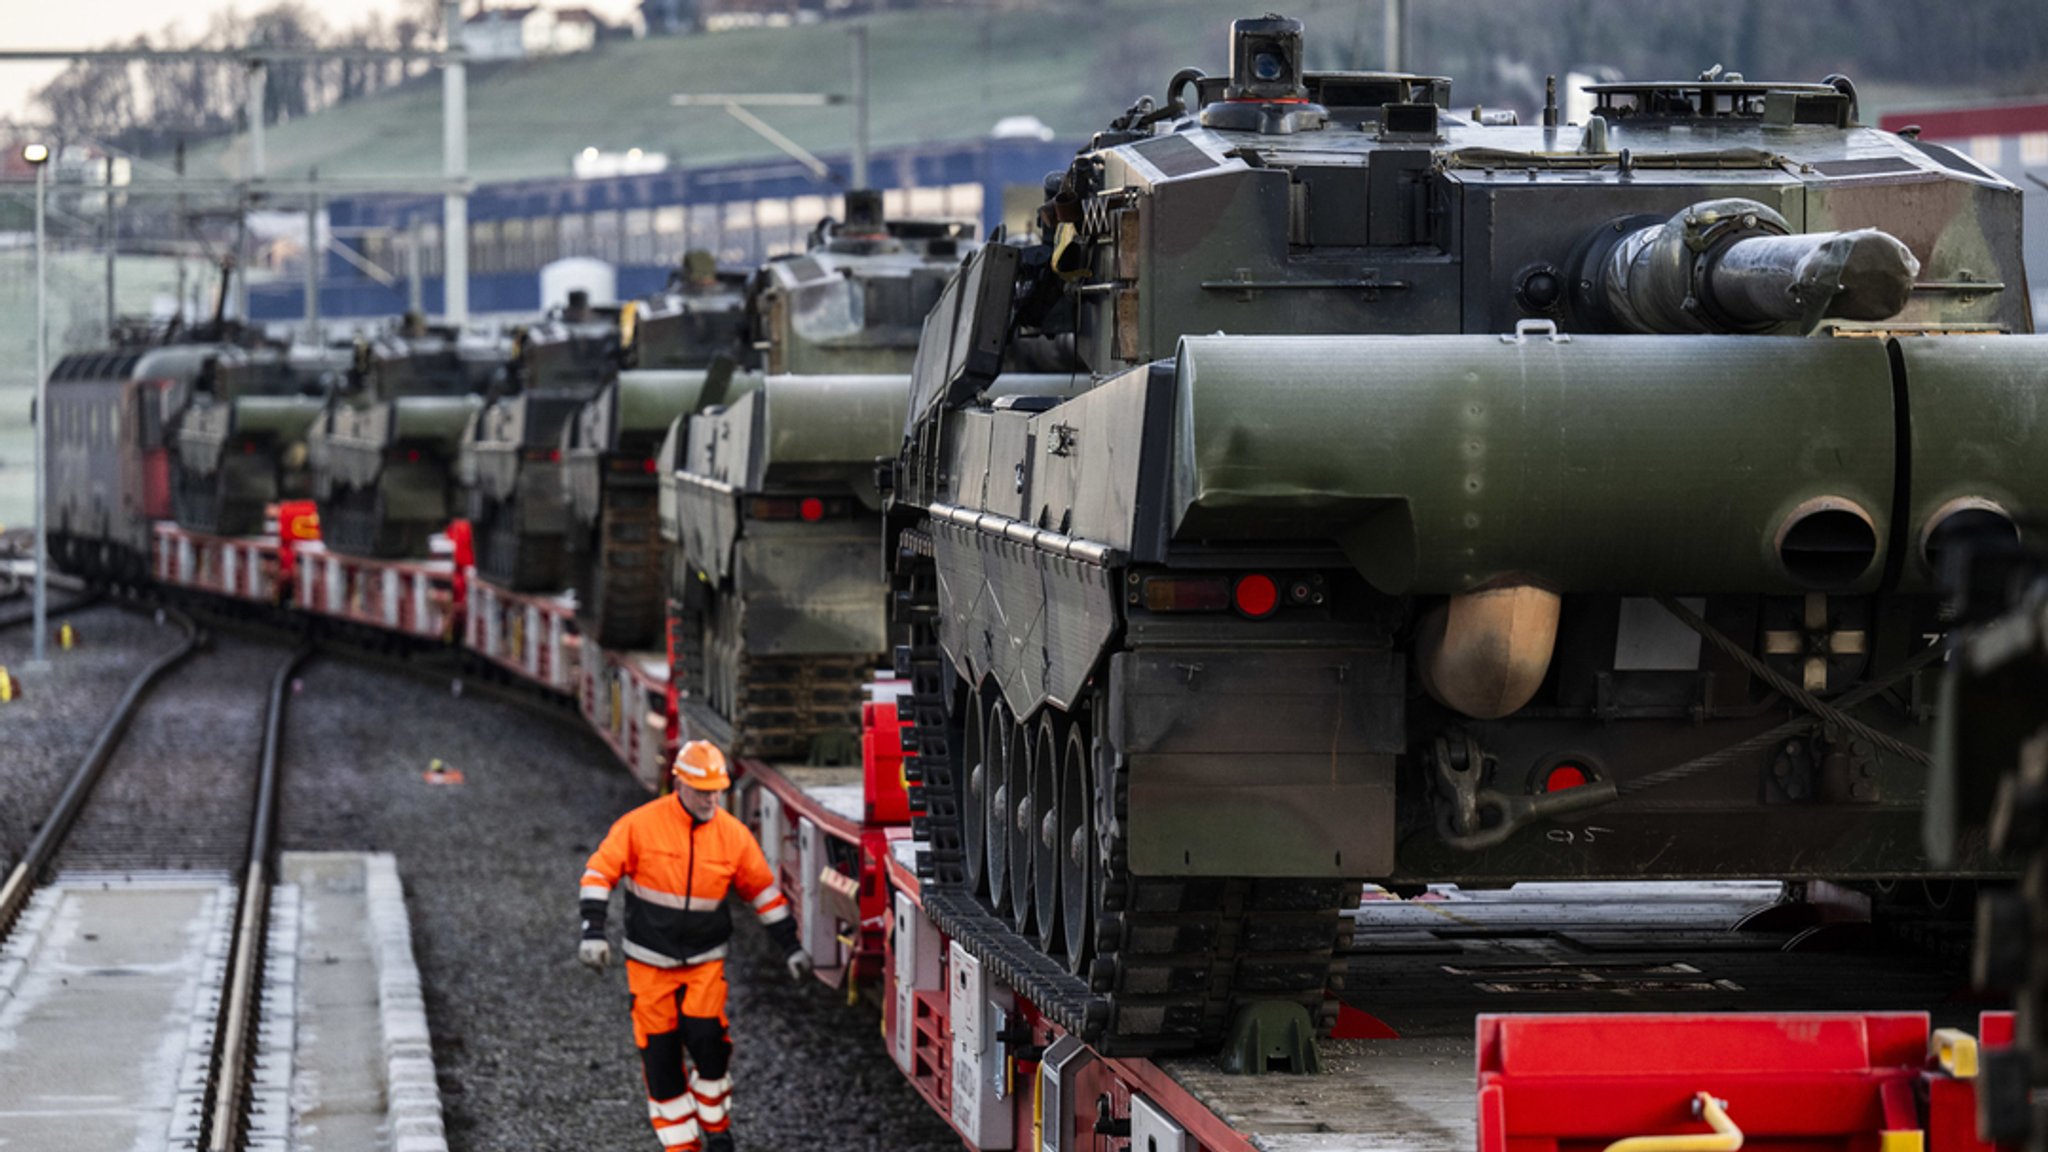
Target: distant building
517 33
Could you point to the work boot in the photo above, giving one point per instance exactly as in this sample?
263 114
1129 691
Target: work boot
718 1141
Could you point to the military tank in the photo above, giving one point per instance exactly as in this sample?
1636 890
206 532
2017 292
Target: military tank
670 342
776 603
1991 771
384 456
511 456
241 435
1446 500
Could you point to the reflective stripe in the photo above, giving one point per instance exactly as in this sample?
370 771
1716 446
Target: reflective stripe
681 1108
678 1134
712 1114
710 1089
593 892
670 899
590 874
769 895
647 955
777 914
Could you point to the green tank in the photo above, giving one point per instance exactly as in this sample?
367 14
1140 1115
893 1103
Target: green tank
671 342
1445 500
511 457
776 599
241 437
384 456
1991 771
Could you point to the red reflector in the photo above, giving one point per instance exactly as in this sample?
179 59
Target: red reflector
412 456
812 508
648 466
554 455
1256 595
1565 776
1186 593
248 447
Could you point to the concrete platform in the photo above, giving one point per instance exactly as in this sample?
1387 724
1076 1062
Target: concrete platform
110 985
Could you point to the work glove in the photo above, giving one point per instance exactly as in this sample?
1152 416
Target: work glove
595 954
800 967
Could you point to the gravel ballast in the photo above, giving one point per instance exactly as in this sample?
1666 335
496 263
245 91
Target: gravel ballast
533 1050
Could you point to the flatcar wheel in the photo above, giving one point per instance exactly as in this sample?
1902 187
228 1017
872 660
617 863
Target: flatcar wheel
995 837
1077 851
1045 832
974 781
1021 827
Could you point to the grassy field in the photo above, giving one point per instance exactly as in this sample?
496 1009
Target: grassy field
937 75
77 320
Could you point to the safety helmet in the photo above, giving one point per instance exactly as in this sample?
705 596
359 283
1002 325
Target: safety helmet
700 765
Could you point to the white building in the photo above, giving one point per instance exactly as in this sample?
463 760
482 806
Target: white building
517 33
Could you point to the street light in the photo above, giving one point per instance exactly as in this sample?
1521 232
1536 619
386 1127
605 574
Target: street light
38 157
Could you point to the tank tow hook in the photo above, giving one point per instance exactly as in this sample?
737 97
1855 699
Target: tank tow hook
1471 817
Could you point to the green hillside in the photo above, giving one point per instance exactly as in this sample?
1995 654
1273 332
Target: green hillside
948 74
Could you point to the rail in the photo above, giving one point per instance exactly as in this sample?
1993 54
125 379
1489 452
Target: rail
241 1004
43 849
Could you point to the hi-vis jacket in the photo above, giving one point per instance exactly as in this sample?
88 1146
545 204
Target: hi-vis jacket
675 872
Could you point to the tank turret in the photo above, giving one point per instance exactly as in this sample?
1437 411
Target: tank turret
384 455
511 462
769 505
670 343
1440 499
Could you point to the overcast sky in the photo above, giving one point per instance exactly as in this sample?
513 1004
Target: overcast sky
96 23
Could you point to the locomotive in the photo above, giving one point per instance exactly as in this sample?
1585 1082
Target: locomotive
1444 500
768 500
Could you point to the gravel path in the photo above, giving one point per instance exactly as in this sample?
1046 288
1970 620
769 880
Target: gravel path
534 1051
45 732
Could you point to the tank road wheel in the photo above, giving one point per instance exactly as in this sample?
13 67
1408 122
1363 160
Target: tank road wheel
1077 850
974 783
1021 826
995 838
1046 751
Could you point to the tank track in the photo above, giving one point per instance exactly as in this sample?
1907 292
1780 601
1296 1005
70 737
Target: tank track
352 521
1173 957
199 503
803 708
619 581
521 562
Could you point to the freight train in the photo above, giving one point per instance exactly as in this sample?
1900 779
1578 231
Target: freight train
1551 502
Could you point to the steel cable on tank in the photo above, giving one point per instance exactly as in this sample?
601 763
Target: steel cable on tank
1831 713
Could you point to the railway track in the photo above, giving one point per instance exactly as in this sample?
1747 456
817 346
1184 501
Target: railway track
133 838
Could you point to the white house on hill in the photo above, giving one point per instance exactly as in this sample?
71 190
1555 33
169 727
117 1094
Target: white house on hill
516 33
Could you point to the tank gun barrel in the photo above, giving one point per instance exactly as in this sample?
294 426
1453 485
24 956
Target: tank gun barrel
1735 265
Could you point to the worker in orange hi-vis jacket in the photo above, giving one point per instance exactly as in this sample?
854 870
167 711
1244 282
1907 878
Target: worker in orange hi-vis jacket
675 857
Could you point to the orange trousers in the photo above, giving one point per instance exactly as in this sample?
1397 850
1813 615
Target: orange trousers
678 1011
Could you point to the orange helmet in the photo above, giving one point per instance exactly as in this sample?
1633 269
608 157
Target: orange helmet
700 765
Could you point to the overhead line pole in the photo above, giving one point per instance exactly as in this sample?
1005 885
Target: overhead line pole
455 166
860 106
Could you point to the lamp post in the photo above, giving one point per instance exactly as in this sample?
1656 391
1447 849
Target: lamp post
38 157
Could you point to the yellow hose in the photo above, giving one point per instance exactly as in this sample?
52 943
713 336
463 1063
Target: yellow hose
1726 1137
